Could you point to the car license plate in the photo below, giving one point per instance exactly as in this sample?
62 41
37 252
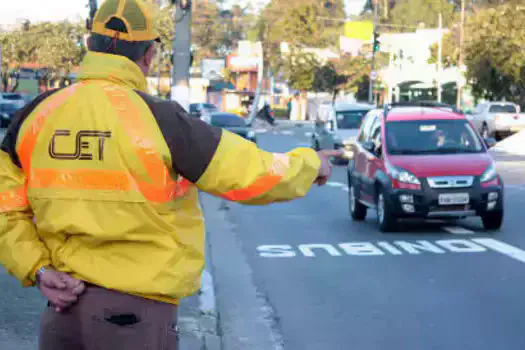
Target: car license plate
454 198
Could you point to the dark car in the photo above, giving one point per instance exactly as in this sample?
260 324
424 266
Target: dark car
7 112
197 110
231 122
423 163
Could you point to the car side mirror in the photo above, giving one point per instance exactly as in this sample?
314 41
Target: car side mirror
490 142
369 146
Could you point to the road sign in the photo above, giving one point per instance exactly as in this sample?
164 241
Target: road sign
359 30
373 75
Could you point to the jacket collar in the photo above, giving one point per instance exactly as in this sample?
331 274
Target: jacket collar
116 69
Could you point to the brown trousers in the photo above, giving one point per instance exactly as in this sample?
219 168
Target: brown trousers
107 320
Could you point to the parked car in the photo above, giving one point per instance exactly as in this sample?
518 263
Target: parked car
338 127
7 113
231 122
423 163
497 119
14 98
198 109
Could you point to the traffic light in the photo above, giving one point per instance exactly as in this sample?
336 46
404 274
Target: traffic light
377 43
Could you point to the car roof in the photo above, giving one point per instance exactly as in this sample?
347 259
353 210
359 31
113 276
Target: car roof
339 107
422 113
224 114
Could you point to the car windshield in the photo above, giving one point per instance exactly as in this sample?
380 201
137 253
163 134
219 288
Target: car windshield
431 137
227 120
350 119
503 109
12 97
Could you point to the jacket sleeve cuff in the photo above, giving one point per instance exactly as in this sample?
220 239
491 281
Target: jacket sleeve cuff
30 281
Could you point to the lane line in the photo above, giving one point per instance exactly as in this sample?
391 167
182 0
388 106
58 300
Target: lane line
308 134
503 248
335 184
287 132
457 230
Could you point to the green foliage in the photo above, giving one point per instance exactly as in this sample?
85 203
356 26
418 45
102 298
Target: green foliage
494 53
414 12
450 54
57 46
299 70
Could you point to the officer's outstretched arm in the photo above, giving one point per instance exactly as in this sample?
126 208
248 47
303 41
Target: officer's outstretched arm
239 171
21 251
226 165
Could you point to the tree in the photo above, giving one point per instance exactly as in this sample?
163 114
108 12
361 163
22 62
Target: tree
299 70
18 47
60 48
328 79
494 53
450 54
413 12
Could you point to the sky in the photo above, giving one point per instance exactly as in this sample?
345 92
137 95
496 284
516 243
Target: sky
54 10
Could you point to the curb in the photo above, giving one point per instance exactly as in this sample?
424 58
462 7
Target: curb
198 320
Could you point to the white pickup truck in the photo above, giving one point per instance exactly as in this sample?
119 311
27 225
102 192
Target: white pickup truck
497 119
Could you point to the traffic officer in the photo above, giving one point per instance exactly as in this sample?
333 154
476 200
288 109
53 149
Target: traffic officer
99 190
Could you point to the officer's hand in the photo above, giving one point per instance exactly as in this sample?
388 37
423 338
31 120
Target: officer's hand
325 171
60 289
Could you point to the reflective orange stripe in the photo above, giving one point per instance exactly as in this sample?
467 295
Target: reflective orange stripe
279 167
13 199
27 145
82 179
160 187
259 187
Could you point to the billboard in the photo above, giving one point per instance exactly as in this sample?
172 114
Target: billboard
363 30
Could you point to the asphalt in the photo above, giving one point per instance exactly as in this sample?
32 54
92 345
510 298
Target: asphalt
302 275
329 283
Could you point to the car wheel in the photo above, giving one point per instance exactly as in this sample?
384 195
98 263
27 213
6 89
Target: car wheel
493 220
315 144
357 209
485 131
385 218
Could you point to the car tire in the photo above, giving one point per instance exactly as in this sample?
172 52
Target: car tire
493 220
385 218
357 209
315 144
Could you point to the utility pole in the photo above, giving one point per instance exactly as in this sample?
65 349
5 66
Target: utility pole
180 91
92 11
372 70
461 52
440 57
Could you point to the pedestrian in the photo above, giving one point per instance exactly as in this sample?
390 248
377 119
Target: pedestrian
99 193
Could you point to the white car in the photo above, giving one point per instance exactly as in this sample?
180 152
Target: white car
497 119
338 126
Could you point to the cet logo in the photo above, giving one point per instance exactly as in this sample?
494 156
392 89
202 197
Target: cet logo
81 145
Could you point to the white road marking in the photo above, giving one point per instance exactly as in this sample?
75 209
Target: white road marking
335 184
308 134
261 131
503 248
456 230
402 248
286 132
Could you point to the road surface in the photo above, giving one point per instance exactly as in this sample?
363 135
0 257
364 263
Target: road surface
303 276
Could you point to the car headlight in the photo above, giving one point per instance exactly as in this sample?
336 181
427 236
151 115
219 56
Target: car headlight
402 175
251 134
489 174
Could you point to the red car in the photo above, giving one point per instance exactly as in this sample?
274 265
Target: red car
423 162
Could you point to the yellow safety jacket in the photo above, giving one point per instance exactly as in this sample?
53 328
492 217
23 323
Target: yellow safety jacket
101 180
